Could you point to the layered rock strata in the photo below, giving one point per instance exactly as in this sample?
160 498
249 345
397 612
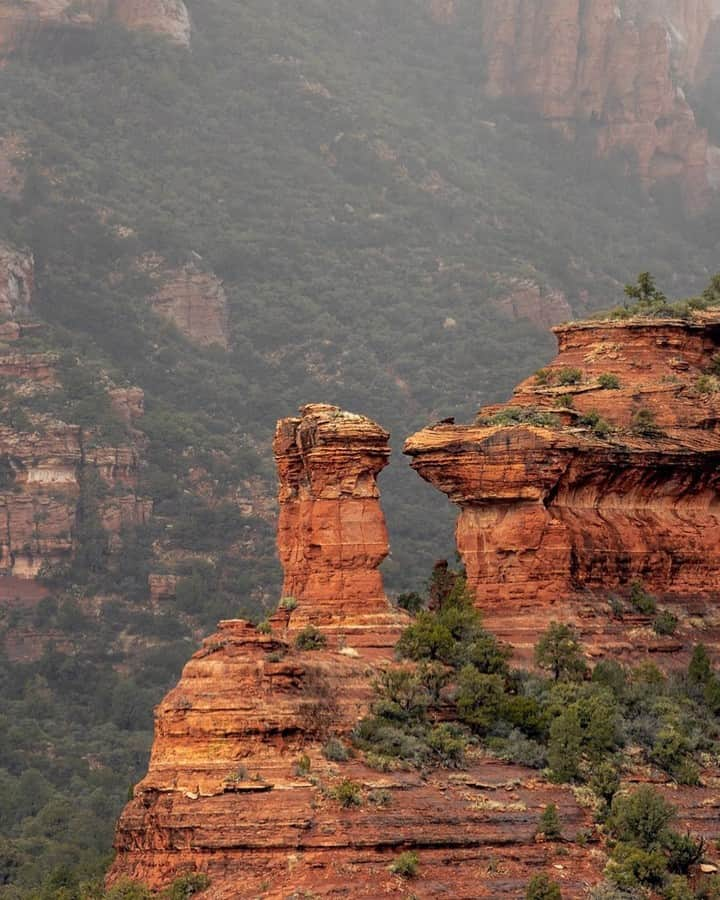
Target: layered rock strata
561 503
21 23
332 535
618 70
193 300
238 787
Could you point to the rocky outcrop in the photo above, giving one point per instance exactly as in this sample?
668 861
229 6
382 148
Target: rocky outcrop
562 503
192 299
615 70
23 22
238 787
523 298
16 282
332 535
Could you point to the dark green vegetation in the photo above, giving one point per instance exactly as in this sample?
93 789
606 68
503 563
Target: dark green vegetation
338 166
575 723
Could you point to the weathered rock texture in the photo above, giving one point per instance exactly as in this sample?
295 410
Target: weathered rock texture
223 793
617 70
23 22
43 462
193 300
547 512
332 535
526 299
16 282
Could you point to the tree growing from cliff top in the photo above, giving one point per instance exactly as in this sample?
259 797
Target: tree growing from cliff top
559 651
646 293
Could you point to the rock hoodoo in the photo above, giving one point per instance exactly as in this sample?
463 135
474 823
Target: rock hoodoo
618 70
603 468
332 536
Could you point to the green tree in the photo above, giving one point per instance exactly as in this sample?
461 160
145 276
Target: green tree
641 818
549 824
560 652
646 293
700 668
480 699
565 745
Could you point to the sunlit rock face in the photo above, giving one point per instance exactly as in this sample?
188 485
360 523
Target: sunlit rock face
550 511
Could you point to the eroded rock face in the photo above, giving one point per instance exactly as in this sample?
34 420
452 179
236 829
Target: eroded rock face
332 535
616 69
224 793
525 299
16 282
21 22
547 512
193 300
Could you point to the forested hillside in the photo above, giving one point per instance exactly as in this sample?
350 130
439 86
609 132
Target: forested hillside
378 225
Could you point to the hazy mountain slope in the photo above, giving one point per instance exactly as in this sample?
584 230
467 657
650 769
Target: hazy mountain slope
338 167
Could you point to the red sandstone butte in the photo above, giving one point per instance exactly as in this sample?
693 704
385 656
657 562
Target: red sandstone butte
550 511
332 535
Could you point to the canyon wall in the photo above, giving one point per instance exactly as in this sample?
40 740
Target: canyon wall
614 71
563 503
22 22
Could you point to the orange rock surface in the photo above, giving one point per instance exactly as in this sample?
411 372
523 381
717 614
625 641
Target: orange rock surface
547 512
615 68
332 535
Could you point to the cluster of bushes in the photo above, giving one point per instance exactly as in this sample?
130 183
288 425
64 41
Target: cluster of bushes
457 688
646 299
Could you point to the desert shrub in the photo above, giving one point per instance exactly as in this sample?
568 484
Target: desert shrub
678 889
480 699
700 668
665 623
605 782
519 749
684 851
348 793
642 601
448 744
707 384
631 867
288 603
569 375
406 865
310 639
641 818
335 751
544 377
379 797
643 424
411 601
541 887
560 652
303 765
264 627
564 401
617 607
549 824
609 382
186 886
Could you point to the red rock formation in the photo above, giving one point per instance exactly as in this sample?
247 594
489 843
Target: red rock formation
331 530
616 67
547 511
16 282
224 794
21 22
128 403
192 300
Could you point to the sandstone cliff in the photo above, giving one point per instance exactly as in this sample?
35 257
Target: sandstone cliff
616 481
16 282
193 300
20 22
615 70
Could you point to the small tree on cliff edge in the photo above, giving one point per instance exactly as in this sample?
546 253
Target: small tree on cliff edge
560 652
646 293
